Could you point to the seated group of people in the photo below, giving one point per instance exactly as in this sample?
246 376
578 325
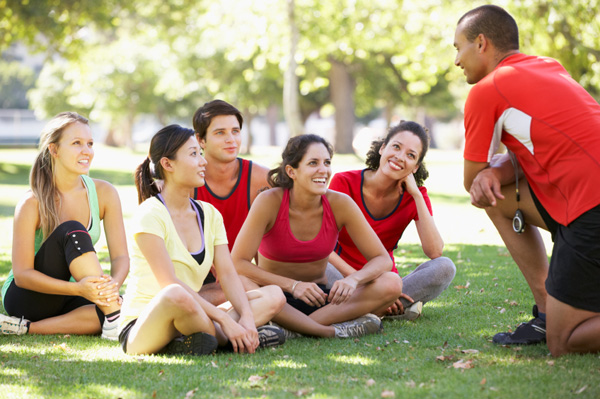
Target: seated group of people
302 258
226 254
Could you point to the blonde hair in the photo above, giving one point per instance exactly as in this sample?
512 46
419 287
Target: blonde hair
41 178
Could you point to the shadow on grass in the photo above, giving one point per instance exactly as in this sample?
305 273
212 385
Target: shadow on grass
403 359
16 174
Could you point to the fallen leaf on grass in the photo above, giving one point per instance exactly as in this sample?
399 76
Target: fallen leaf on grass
62 346
514 303
483 381
212 363
387 394
411 384
550 362
254 378
462 364
580 390
462 287
191 393
444 358
370 382
502 310
469 351
304 391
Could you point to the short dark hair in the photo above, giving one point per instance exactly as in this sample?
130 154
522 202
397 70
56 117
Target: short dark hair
374 157
495 23
204 115
292 155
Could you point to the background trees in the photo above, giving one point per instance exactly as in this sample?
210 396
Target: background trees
116 60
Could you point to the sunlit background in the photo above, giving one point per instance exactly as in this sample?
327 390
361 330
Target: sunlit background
345 69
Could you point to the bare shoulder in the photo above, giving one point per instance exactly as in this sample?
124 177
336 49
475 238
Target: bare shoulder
105 189
28 204
270 197
108 196
258 180
338 199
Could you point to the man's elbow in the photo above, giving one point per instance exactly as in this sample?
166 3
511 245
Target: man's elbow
467 185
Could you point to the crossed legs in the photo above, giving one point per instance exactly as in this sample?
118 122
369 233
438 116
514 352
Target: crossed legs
174 311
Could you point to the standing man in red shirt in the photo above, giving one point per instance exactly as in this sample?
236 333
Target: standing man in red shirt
549 178
232 183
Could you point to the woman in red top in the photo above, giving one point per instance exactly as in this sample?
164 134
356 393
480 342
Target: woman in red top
390 194
294 228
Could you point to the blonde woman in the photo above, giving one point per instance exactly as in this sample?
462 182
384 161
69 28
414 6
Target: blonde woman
56 285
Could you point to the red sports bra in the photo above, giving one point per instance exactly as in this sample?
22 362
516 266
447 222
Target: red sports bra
279 243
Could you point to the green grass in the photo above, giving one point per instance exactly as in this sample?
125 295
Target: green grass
410 359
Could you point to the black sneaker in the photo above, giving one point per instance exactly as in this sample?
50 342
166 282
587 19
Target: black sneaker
530 333
195 344
269 336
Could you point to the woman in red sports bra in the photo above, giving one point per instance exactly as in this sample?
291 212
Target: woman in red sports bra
294 228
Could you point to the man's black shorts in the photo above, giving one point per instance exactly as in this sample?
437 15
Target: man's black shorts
574 275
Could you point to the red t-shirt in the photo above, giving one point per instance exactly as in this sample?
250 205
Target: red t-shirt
549 121
389 228
235 206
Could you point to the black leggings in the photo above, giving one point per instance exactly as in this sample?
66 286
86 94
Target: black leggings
67 242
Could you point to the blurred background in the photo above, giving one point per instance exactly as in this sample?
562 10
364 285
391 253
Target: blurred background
345 69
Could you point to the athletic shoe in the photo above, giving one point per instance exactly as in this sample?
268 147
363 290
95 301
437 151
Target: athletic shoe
367 324
13 325
269 336
410 313
195 345
110 329
289 334
530 333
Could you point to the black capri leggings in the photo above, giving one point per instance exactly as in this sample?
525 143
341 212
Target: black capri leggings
67 242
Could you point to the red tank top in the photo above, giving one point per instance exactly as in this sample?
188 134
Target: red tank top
279 243
235 206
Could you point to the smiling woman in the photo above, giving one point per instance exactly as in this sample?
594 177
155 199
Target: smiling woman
56 284
294 228
176 241
391 195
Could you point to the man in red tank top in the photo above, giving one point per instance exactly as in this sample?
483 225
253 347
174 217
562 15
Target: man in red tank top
232 183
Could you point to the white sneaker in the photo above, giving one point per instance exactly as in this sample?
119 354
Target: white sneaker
367 324
10 325
410 313
110 329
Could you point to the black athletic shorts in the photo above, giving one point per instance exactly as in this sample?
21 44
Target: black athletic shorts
124 335
303 306
574 274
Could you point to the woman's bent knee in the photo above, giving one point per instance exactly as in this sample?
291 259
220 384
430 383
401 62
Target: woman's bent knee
390 286
177 297
274 296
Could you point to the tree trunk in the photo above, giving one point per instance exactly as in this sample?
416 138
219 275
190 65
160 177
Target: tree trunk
272 114
291 106
248 119
342 87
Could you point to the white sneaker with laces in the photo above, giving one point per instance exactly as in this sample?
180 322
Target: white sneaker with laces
110 329
410 313
367 324
10 325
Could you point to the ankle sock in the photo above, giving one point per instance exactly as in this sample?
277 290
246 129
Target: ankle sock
542 316
113 316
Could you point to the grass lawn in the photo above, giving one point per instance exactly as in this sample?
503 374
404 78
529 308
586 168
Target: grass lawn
446 353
